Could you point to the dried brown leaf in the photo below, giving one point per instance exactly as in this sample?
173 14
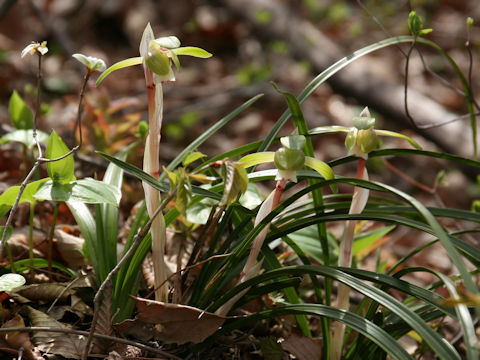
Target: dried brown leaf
65 344
173 323
19 340
45 292
302 347
104 322
70 249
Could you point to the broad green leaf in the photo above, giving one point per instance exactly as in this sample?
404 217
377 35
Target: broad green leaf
198 213
191 157
364 240
86 190
119 65
257 158
192 51
251 198
9 282
20 115
25 137
307 240
61 170
9 196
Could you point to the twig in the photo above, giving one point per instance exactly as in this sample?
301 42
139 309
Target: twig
445 82
85 333
138 238
65 289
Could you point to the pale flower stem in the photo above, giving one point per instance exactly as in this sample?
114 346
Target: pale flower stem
258 241
345 258
250 269
151 165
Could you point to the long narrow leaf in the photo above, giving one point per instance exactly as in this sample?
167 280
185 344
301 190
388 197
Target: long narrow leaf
356 322
438 344
326 74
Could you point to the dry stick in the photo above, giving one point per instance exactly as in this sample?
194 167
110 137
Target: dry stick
138 238
409 179
40 160
444 81
85 333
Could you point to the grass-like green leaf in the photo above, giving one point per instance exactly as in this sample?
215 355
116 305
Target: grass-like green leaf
119 65
438 344
25 137
143 176
86 223
354 321
24 265
325 75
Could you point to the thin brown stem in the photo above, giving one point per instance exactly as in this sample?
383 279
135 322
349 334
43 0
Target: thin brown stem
137 240
85 333
37 105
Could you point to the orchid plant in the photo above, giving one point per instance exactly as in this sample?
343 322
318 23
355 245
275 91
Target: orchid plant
157 57
361 139
288 159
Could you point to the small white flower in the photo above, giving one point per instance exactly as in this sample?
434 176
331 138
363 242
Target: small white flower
92 63
35 47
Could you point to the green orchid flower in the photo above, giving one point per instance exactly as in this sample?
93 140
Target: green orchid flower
362 138
162 53
289 159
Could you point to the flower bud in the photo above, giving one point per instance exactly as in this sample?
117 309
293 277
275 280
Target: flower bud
157 60
288 159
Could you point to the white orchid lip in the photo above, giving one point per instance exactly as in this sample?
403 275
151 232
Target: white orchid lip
35 47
